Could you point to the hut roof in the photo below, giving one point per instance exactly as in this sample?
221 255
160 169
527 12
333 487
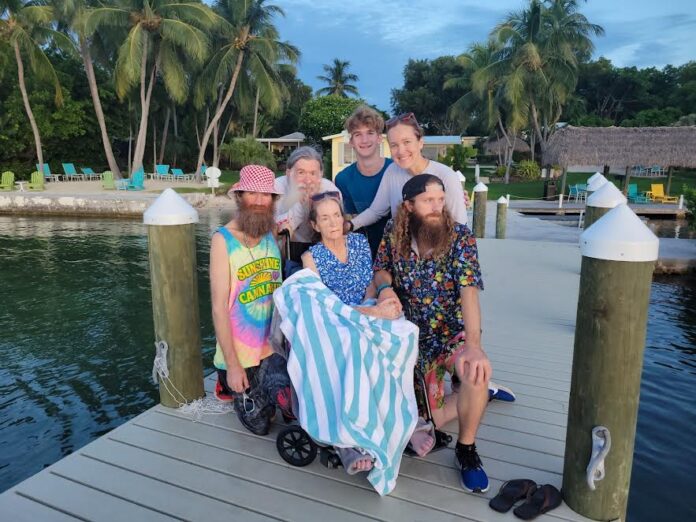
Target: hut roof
623 146
498 146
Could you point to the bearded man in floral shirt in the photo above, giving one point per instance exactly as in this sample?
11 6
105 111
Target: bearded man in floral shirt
430 263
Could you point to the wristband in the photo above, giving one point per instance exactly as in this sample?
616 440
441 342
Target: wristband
382 287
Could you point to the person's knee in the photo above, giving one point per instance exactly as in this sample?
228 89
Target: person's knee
470 388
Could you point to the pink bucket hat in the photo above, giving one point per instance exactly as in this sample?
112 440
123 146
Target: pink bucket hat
255 178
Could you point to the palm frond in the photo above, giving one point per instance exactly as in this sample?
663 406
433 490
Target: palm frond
191 40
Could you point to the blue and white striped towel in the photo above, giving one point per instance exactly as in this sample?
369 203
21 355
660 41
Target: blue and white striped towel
353 374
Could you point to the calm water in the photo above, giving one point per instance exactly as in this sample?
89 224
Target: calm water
76 342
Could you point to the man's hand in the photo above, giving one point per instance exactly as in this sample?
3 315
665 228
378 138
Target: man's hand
473 365
237 379
389 308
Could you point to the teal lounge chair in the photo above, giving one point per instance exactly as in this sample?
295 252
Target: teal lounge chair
70 172
161 172
47 173
137 180
178 174
7 180
634 196
89 173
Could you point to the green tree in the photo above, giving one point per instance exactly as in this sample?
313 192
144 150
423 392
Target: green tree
424 94
543 45
162 36
326 115
251 43
338 80
26 29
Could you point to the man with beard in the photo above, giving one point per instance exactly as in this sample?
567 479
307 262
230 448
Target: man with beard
244 272
430 263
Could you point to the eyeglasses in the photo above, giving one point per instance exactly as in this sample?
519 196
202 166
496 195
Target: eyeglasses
406 117
328 194
248 402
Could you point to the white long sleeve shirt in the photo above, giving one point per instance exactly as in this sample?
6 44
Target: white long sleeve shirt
290 210
388 195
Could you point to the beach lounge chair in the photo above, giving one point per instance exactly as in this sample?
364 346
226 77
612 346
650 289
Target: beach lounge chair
47 173
178 174
577 192
7 180
70 172
657 193
36 182
89 173
161 172
636 197
108 180
137 181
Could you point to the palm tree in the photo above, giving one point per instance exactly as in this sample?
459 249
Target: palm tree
484 74
72 14
162 36
338 79
250 44
26 29
542 47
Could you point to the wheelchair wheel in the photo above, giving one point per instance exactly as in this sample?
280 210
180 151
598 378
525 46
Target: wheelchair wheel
295 446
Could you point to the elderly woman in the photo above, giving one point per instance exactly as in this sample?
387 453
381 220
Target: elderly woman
405 138
304 178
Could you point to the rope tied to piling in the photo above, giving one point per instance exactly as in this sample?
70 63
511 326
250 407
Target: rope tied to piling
196 408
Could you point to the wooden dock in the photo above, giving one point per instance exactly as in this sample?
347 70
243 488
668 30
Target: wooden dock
162 465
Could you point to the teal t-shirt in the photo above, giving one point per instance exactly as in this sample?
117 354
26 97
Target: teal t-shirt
358 191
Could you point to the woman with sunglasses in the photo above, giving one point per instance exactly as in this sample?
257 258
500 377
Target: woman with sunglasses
405 138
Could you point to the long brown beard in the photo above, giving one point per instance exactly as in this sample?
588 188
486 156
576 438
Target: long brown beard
255 221
432 234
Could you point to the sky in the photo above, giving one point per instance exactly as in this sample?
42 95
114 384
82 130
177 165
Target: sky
379 36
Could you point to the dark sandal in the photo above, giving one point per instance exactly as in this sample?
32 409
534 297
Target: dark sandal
543 500
510 492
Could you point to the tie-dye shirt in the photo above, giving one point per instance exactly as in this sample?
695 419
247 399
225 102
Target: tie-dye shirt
254 274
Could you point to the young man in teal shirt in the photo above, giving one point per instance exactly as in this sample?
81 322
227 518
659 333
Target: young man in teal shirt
359 181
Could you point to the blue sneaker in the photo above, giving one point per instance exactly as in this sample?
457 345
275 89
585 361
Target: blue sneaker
500 393
472 477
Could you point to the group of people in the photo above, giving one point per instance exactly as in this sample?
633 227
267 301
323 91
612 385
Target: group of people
417 258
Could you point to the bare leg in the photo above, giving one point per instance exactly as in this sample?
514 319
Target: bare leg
471 404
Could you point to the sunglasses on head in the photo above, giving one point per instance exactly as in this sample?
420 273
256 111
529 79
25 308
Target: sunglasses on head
328 194
401 118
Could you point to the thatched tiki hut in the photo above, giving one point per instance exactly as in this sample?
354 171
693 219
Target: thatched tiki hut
623 146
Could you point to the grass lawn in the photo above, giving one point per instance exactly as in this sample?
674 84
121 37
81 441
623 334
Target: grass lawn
535 189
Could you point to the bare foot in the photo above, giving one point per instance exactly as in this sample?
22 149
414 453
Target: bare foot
422 442
362 464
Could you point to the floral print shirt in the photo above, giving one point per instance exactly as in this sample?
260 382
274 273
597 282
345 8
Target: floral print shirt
429 288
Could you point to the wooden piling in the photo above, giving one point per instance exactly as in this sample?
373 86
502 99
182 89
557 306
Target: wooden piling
602 201
501 218
480 199
615 279
171 241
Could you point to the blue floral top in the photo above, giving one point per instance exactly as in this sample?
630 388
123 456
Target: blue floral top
349 281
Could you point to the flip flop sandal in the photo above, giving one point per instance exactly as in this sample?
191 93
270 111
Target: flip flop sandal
543 500
510 492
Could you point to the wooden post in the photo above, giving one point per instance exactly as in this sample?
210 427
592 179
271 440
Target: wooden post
601 202
627 178
605 171
615 278
477 172
171 241
501 218
563 180
480 199
669 180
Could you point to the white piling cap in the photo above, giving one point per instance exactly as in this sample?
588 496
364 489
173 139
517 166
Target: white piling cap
213 172
596 182
619 235
170 209
480 187
607 196
503 200
462 178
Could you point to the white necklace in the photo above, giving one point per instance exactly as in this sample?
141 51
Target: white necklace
251 254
